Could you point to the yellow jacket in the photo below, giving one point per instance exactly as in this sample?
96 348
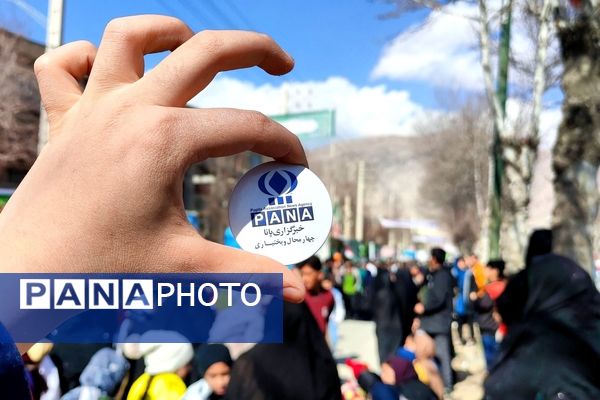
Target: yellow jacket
167 386
479 275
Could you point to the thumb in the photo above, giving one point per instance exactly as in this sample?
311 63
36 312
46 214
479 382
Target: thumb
201 255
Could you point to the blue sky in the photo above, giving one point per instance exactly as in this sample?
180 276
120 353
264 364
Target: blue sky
382 76
327 38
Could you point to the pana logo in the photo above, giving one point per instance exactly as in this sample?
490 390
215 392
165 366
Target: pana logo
278 185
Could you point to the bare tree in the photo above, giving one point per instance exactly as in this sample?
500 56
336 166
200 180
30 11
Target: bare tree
518 141
454 187
576 156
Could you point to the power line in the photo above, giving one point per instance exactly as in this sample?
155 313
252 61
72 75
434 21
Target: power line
197 13
219 13
31 11
168 7
239 15
202 16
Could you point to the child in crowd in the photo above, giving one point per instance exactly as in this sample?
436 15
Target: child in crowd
101 378
167 365
214 365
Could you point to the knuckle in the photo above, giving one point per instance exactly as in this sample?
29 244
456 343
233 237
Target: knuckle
260 121
118 27
42 63
162 121
117 24
212 41
179 24
160 133
151 145
85 46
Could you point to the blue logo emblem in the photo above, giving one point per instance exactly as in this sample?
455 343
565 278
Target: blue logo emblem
278 185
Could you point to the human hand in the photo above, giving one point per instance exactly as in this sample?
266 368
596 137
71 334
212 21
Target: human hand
416 324
105 194
497 317
419 308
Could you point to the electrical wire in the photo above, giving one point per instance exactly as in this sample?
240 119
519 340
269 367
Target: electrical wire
219 13
38 17
239 14
204 19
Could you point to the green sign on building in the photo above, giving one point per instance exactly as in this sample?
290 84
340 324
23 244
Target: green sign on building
310 124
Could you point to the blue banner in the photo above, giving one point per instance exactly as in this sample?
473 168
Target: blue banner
117 308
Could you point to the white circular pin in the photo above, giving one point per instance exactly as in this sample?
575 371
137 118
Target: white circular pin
281 211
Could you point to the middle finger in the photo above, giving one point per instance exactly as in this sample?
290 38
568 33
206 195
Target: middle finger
190 68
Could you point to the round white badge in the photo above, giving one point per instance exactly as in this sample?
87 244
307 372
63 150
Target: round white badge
281 211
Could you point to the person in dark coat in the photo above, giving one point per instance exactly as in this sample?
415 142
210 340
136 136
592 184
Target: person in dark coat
436 311
300 368
394 296
13 378
540 243
552 348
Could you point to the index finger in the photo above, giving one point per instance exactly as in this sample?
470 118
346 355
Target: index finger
198 134
194 64
126 40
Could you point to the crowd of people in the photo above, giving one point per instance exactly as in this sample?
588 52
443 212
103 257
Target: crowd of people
539 329
143 371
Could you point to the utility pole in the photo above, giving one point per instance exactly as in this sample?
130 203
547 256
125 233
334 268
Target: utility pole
347 228
497 159
360 201
54 32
